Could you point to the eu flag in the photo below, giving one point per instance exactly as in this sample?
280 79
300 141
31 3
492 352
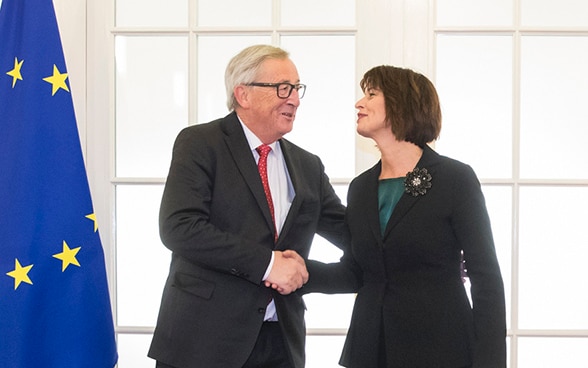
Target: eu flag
54 304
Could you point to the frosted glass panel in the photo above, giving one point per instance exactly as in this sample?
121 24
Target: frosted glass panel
234 13
474 13
322 250
551 352
214 53
152 13
320 312
325 120
323 351
132 351
563 13
151 102
474 83
552 259
554 119
322 13
499 204
142 260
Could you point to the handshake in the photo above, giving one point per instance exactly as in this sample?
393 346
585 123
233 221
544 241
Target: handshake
288 272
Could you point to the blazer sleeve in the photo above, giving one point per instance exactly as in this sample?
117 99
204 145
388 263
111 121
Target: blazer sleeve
472 228
185 214
344 276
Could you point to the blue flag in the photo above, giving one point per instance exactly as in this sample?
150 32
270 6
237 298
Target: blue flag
54 304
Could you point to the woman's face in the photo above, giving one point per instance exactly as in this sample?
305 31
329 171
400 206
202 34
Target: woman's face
371 114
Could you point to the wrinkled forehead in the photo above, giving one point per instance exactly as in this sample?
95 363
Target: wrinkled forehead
278 70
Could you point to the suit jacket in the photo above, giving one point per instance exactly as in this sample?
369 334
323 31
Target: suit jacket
215 218
408 280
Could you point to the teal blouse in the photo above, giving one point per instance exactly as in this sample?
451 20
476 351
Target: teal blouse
389 193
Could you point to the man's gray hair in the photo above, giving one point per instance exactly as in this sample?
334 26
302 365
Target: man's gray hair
243 68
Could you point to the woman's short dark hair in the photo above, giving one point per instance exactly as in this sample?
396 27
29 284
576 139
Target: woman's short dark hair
412 104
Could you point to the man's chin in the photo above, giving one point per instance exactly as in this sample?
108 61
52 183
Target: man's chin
286 126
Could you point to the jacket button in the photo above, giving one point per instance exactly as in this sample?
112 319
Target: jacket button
261 310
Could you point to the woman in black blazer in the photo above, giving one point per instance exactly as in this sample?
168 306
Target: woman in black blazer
411 221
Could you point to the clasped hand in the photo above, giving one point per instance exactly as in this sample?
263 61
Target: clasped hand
288 272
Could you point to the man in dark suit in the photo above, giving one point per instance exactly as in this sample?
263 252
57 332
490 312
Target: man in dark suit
230 299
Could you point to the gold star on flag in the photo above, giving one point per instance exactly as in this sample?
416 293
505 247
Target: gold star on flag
92 217
68 256
57 80
15 72
20 274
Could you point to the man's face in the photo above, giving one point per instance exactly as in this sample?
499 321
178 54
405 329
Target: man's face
274 116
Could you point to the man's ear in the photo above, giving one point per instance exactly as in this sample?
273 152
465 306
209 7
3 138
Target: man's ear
241 93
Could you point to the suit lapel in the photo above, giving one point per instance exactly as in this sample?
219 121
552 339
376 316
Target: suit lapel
294 171
371 205
402 207
407 201
237 145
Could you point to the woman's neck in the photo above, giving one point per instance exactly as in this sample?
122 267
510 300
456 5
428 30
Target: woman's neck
399 158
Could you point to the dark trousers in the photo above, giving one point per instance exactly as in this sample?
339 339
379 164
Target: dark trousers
269 350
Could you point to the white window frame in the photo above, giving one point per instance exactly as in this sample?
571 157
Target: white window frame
397 32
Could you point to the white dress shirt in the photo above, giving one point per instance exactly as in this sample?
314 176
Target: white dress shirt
282 192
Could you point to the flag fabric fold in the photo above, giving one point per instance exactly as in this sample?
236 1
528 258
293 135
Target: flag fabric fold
55 309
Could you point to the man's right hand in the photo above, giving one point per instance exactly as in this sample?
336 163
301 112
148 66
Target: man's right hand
288 272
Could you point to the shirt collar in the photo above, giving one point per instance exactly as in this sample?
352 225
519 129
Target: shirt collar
252 139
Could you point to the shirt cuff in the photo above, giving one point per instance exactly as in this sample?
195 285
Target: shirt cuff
269 268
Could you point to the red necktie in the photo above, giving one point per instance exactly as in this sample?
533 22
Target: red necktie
263 151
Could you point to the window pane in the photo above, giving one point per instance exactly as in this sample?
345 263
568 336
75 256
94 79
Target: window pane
552 258
548 352
328 310
325 120
321 249
323 351
474 13
554 119
214 53
474 82
320 311
563 13
142 262
499 204
152 13
234 13
322 13
132 351
151 102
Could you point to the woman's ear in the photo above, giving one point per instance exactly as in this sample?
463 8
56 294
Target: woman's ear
241 93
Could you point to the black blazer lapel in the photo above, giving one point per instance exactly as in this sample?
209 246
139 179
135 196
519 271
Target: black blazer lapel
367 204
237 144
402 207
296 174
407 201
